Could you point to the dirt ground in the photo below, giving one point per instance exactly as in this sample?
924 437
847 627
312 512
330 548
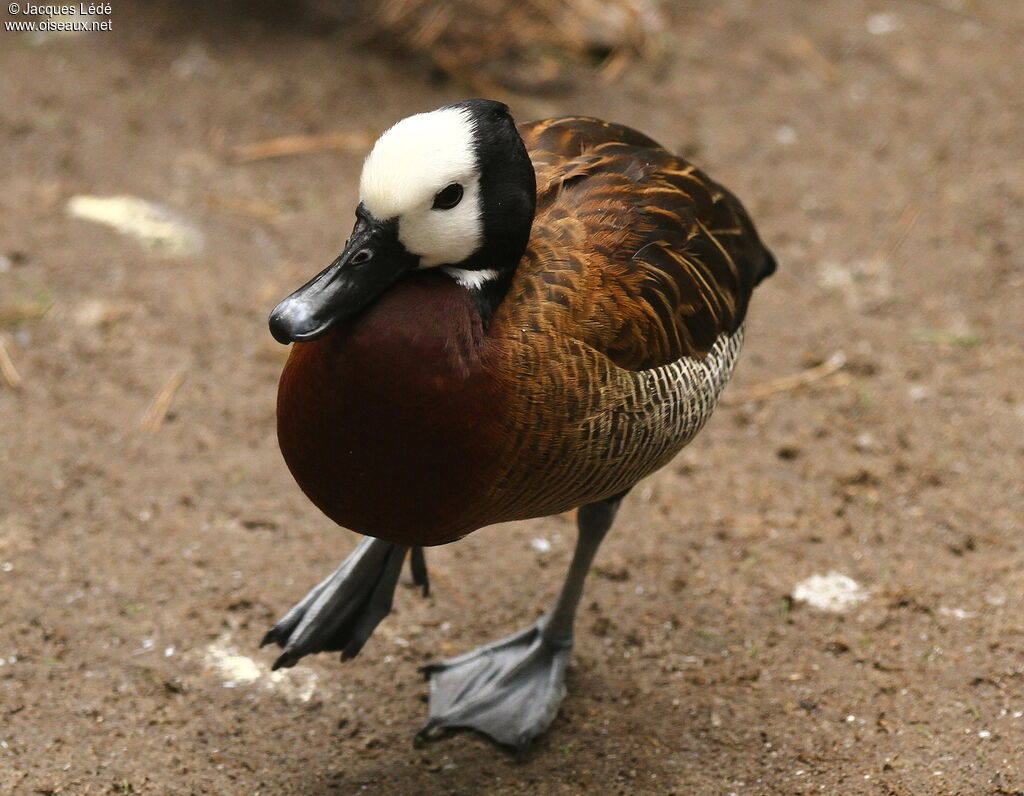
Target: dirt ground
877 144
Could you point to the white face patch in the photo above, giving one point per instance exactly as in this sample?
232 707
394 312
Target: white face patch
410 163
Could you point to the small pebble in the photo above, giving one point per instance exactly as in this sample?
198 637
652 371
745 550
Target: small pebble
540 544
833 592
785 135
883 24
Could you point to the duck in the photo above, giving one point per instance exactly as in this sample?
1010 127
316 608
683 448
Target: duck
525 320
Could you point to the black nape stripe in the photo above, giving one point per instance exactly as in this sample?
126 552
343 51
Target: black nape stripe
508 196
489 295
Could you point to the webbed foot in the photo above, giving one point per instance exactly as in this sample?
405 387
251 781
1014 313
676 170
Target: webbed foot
509 690
342 611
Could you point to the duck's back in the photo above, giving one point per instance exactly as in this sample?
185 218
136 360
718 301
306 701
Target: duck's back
624 319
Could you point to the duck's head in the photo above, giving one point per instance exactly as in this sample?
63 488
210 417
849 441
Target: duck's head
452 189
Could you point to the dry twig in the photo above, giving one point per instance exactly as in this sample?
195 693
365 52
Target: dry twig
7 369
520 45
768 389
905 223
25 311
156 412
255 208
804 49
349 141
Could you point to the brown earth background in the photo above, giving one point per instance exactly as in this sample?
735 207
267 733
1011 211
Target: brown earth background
149 530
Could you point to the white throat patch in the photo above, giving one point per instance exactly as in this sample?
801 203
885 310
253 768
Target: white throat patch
410 163
471 279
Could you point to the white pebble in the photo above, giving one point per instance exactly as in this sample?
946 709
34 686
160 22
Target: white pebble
883 24
918 392
957 613
785 135
833 592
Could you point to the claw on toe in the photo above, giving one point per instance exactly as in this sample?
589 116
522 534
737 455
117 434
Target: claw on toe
272 636
286 660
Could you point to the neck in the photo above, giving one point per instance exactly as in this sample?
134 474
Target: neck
487 273
508 196
486 287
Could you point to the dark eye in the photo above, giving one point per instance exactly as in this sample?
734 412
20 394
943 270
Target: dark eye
448 197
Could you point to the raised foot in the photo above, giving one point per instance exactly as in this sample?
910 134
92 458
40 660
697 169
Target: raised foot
342 611
509 690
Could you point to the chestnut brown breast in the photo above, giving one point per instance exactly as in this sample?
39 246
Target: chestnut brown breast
391 425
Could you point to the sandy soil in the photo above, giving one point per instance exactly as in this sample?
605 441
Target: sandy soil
877 144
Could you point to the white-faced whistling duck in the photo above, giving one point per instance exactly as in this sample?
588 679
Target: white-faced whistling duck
523 321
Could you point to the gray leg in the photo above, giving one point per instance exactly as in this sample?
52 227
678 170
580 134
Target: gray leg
510 690
343 610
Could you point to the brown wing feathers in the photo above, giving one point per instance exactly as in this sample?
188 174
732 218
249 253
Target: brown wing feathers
646 257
